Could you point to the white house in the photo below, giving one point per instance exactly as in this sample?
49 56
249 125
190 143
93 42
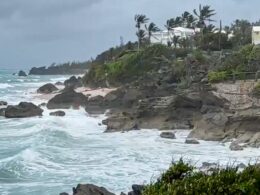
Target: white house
166 36
256 35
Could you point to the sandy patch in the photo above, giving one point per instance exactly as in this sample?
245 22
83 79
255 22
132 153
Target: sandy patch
95 92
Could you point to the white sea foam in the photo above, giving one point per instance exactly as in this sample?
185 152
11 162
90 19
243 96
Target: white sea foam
5 85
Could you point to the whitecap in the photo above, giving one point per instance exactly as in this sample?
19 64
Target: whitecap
5 85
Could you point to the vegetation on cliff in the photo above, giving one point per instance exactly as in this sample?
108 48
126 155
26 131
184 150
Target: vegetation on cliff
182 178
220 52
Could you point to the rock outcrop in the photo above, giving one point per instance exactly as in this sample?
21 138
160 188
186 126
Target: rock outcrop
22 74
68 99
23 110
47 88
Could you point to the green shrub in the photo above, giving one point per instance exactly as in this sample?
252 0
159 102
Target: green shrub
183 179
198 55
215 77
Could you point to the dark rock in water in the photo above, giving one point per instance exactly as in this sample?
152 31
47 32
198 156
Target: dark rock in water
137 190
59 83
89 189
47 88
22 74
69 98
168 135
3 103
235 147
73 82
22 110
191 141
58 113
64 193
2 111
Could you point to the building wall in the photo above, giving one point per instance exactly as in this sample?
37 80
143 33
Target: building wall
256 37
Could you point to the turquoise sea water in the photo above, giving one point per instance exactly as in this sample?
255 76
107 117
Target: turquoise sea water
48 155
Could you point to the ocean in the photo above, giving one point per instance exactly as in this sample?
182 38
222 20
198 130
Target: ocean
48 155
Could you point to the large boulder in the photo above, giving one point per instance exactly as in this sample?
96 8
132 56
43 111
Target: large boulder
47 88
211 127
73 82
22 110
22 74
69 98
89 189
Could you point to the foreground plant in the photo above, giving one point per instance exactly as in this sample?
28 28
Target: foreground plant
183 179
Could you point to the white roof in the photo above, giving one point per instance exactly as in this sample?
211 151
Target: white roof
188 30
256 28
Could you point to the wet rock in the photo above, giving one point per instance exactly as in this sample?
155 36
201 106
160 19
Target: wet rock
73 82
89 189
64 193
168 135
2 111
22 110
191 141
69 98
235 147
22 74
3 103
47 88
58 113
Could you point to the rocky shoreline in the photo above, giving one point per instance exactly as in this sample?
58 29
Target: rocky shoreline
147 105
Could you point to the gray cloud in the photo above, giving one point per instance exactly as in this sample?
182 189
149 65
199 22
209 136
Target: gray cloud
39 32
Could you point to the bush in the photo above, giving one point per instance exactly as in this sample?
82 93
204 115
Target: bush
215 77
183 179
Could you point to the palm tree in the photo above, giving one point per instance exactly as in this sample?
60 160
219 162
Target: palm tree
140 19
188 20
151 28
170 24
141 35
204 14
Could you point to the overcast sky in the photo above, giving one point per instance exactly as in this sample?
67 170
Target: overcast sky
39 32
